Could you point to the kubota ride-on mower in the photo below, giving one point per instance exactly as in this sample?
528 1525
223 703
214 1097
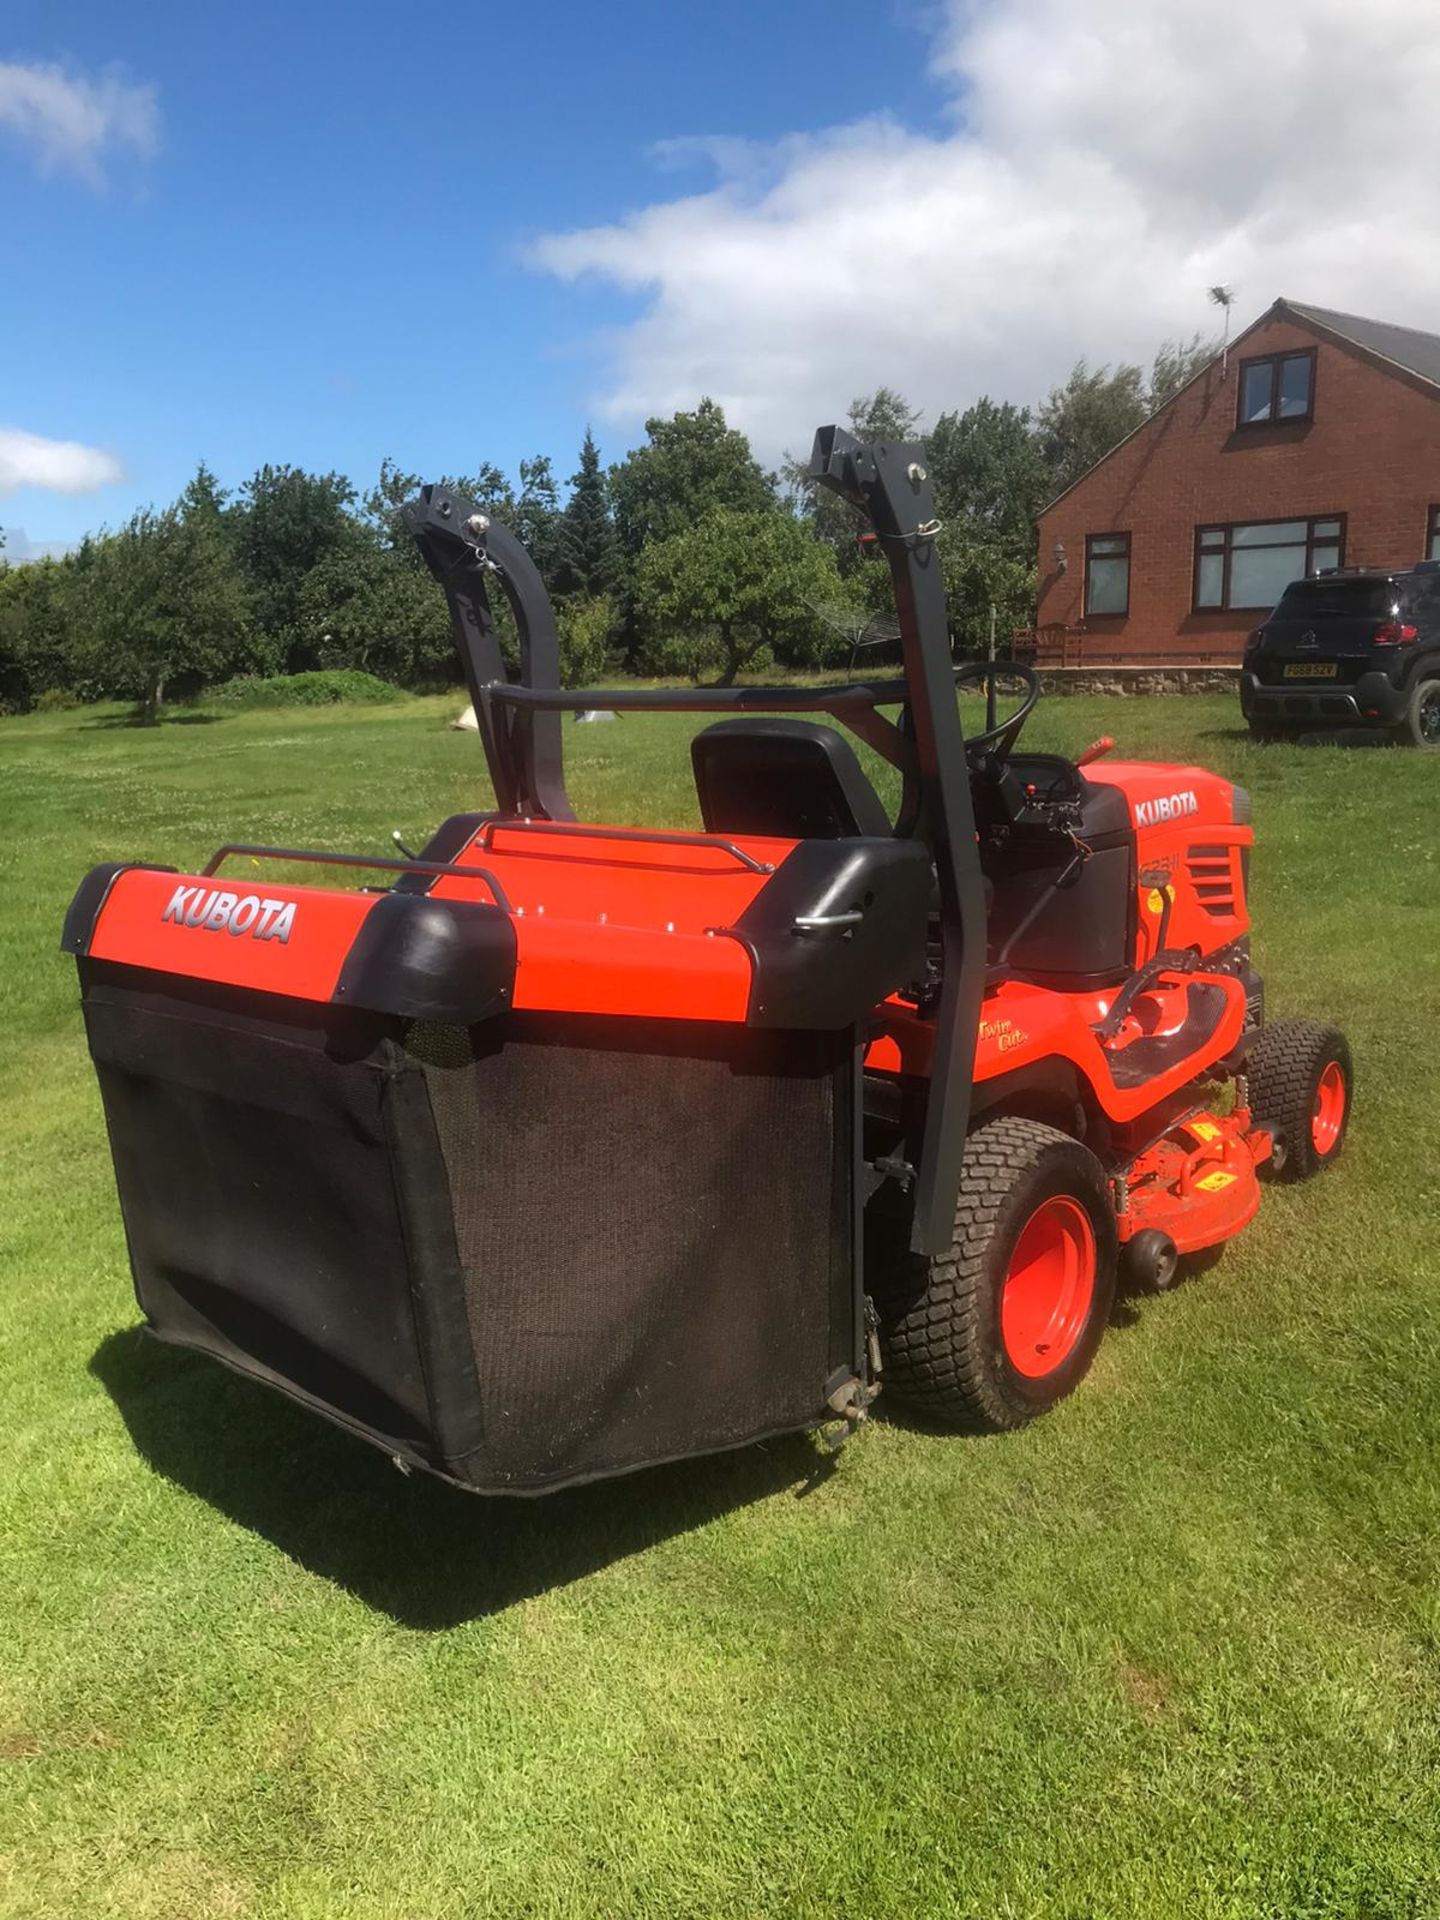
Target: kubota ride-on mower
576 1148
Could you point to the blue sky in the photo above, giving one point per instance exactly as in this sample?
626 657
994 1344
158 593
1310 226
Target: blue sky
322 261
324 234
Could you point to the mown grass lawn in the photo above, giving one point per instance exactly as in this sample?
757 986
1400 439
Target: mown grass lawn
1172 1652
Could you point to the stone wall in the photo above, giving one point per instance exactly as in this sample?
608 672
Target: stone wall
1125 680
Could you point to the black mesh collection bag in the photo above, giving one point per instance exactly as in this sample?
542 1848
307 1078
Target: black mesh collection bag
526 1253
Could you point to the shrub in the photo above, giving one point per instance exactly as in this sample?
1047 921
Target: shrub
321 689
56 700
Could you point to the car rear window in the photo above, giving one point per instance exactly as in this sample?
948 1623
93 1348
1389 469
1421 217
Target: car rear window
1337 599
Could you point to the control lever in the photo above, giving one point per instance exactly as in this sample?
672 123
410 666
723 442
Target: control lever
1096 750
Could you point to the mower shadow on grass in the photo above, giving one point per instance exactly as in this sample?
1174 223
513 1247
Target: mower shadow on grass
144 723
413 1547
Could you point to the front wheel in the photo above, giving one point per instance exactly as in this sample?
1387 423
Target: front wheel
1301 1081
1006 1321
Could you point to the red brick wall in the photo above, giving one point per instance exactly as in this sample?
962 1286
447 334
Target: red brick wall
1371 452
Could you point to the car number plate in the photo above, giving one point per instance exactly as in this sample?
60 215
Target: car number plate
1310 670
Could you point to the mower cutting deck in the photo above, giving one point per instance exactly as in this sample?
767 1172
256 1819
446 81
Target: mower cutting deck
574 1148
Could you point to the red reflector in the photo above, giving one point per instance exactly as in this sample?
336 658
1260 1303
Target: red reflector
1393 634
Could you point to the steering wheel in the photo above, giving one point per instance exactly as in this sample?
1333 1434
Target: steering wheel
999 741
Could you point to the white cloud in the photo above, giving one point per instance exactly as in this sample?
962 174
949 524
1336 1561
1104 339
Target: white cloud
1107 163
59 466
69 123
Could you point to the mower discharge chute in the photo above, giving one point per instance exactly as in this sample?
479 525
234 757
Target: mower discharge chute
577 1148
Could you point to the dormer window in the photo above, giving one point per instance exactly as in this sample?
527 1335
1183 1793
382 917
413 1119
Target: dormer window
1277 389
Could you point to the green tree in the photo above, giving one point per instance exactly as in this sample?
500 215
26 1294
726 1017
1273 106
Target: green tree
204 499
537 516
1081 421
733 591
689 464
589 627
285 522
38 650
17 691
1099 406
988 476
1175 365
366 606
979 575
884 415
159 598
589 552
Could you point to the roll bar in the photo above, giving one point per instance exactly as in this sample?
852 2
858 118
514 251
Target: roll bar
519 723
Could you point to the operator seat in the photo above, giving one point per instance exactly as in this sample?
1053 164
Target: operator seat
788 779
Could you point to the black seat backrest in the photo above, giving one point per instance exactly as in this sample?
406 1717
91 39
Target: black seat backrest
790 779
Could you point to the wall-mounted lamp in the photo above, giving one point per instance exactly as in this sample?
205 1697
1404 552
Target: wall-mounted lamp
1058 556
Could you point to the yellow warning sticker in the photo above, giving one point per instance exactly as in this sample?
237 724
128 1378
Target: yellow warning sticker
1216 1182
1204 1130
1154 900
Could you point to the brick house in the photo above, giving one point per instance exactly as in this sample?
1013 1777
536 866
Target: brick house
1314 443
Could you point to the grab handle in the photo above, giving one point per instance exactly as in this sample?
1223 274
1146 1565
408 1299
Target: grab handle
438 869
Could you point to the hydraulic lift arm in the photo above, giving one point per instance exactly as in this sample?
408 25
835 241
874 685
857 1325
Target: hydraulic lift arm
465 549
888 484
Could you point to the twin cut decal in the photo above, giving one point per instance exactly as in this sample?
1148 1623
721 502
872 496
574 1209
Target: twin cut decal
1170 806
215 911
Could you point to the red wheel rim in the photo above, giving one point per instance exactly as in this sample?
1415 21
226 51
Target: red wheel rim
1328 1114
1049 1285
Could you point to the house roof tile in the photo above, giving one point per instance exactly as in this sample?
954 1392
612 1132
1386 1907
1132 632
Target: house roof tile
1406 347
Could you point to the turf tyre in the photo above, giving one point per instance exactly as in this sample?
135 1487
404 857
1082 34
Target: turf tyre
941 1336
1421 725
1285 1069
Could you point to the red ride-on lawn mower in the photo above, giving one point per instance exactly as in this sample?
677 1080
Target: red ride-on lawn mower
576 1148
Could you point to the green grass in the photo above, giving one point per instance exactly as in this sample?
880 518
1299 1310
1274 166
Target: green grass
1171 1652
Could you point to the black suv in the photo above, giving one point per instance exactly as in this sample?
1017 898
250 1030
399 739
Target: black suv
1354 648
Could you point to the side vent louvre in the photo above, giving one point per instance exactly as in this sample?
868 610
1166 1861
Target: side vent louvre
1212 874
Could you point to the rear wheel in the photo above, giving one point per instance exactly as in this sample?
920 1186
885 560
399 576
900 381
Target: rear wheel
1301 1081
1265 730
1006 1321
1421 725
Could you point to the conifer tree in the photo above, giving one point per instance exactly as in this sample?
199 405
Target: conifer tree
589 554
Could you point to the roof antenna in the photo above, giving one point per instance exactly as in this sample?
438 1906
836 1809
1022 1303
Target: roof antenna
1223 297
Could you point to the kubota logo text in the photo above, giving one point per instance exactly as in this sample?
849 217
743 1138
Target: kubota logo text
219 912
1170 806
